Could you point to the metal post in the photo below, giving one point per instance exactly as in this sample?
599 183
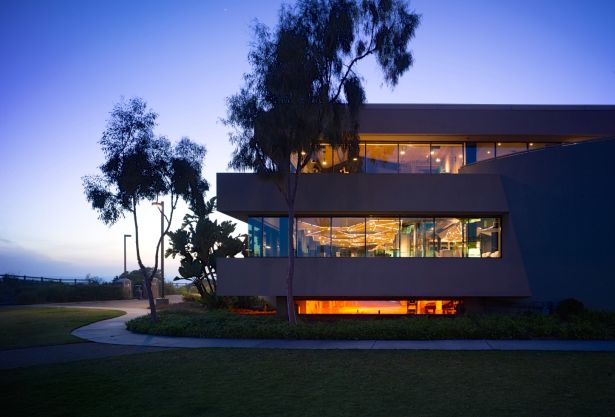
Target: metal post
125 236
162 247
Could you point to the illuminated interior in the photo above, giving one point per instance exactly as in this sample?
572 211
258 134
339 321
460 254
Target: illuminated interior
415 307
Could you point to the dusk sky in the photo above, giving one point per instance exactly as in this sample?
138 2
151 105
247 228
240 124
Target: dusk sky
65 64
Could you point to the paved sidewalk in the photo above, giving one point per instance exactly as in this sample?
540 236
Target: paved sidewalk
114 331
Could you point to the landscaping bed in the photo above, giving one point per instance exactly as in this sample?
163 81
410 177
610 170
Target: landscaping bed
224 324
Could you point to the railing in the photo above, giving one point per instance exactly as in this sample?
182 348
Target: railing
69 281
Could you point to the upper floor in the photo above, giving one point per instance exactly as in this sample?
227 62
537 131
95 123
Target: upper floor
440 139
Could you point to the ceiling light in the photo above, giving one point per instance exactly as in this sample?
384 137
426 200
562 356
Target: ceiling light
355 158
432 152
437 159
324 162
531 144
302 152
402 152
499 143
489 152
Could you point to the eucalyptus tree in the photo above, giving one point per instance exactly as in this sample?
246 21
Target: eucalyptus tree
142 167
200 242
305 89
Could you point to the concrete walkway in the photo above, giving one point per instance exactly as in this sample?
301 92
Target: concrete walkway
113 331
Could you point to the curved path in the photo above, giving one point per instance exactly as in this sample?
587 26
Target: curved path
113 331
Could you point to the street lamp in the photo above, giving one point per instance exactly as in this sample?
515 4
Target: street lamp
160 206
125 236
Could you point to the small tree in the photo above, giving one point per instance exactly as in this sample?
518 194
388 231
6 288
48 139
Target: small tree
304 89
142 167
199 242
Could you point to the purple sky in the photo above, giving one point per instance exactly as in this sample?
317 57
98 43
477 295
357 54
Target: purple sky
65 63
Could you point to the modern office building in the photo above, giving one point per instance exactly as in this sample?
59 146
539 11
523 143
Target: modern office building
447 208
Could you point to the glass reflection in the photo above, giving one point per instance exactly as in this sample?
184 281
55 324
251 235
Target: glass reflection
446 158
255 236
482 238
314 237
381 158
449 238
414 158
382 236
321 160
416 237
477 151
347 236
344 162
503 149
275 236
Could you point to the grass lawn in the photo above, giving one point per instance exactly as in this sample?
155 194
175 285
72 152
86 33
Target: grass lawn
247 382
180 321
40 326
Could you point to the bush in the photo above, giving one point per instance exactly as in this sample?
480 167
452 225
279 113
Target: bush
568 308
224 324
13 291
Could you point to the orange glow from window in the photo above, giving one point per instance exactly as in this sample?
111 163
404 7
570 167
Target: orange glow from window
438 307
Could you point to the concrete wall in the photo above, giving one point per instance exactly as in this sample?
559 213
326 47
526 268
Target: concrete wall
375 277
242 195
561 206
485 120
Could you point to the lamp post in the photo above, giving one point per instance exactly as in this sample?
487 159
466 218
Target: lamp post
160 206
125 236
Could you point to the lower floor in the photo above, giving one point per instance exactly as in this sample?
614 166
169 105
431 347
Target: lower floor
382 307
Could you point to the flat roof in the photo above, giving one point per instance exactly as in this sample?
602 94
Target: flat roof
489 120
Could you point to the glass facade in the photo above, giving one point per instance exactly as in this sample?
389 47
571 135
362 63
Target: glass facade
410 158
314 237
414 158
435 307
275 236
406 237
347 236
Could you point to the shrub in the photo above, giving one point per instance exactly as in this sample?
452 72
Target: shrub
29 292
568 308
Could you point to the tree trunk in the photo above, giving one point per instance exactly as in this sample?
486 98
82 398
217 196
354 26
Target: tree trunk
147 281
290 298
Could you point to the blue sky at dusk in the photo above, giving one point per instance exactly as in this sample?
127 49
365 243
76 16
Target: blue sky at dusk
65 63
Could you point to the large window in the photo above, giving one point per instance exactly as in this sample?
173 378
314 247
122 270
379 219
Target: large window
504 149
414 158
416 237
381 158
346 161
255 236
314 237
381 307
446 158
382 236
406 237
479 151
275 236
448 238
348 236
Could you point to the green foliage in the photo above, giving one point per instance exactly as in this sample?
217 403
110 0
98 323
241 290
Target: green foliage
223 324
136 276
304 88
140 166
31 292
569 308
200 242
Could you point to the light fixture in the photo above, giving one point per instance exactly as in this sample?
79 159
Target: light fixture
402 152
324 162
302 152
437 159
531 144
489 152
499 143
432 152
355 159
